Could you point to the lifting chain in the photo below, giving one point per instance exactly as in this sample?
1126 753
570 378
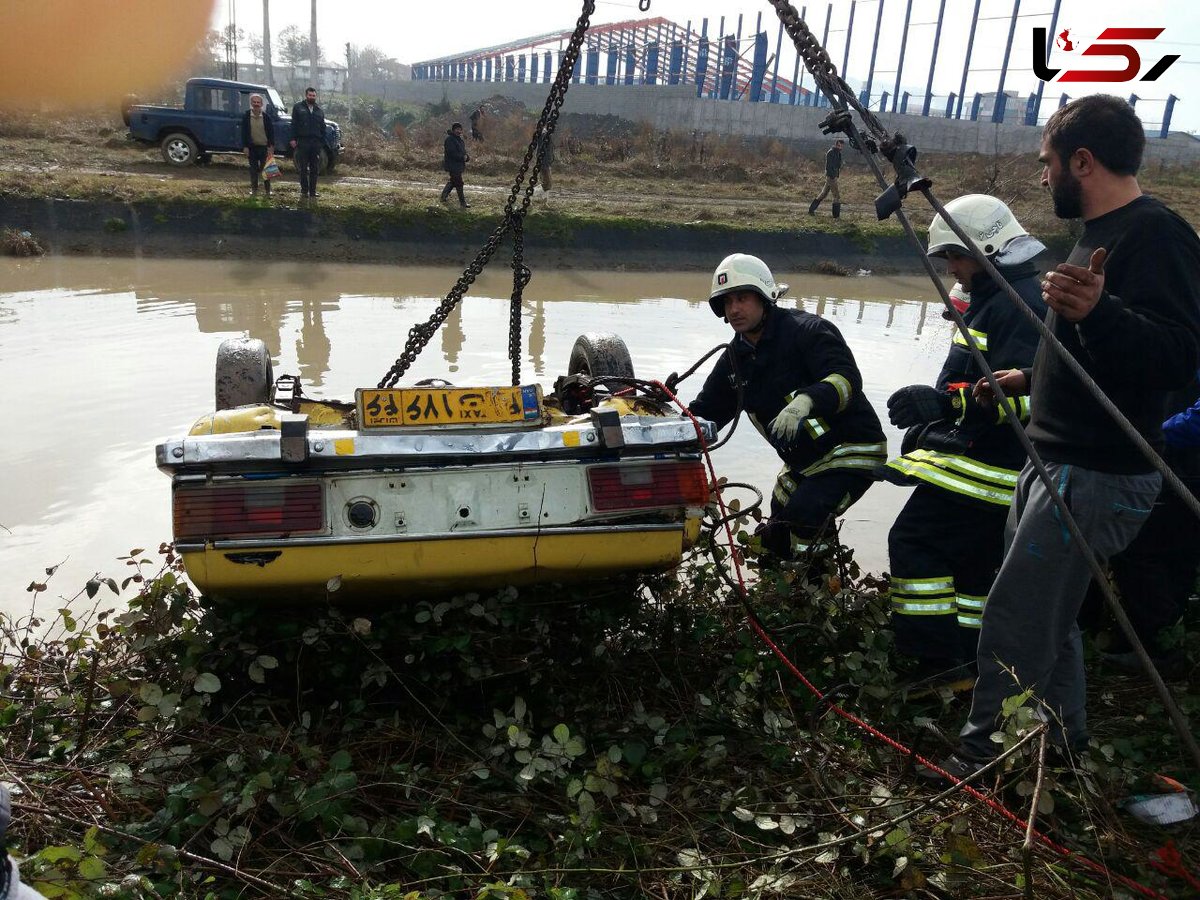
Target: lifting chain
824 72
421 333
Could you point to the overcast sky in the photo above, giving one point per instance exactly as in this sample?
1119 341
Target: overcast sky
414 30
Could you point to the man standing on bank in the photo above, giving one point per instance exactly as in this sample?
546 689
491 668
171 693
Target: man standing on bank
798 382
833 169
258 140
1126 305
454 161
308 137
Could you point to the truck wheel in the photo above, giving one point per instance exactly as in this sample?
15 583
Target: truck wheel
244 374
598 353
178 149
325 162
127 105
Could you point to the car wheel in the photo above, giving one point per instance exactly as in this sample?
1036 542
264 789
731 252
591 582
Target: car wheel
599 353
244 374
178 149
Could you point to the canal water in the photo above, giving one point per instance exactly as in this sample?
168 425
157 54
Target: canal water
101 359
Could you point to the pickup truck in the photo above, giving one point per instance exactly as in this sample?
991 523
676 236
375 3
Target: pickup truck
211 120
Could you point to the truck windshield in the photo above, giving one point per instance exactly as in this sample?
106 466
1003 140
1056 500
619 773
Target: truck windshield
275 99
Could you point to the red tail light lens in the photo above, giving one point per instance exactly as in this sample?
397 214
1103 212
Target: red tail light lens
648 485
206 512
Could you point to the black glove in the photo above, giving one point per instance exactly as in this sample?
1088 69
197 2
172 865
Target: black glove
776 537
918 404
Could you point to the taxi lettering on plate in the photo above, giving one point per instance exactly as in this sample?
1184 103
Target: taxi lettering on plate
426 406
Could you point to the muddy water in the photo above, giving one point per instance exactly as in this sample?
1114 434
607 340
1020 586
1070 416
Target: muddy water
99 359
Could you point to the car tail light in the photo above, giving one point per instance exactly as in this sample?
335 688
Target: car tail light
648 485
205 512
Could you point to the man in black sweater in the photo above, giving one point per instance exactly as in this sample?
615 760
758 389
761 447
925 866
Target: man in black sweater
308 137
1126 305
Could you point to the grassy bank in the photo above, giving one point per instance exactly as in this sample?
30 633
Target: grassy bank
605 171
627 741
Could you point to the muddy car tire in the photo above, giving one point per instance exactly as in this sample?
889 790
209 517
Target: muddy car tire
598 353
244 374
178 149
127 105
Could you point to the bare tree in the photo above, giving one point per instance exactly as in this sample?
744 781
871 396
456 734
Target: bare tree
294 47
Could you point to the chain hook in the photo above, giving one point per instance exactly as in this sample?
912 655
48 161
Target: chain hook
644 5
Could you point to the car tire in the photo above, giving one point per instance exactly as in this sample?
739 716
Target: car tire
179 149
244 373
598 353
325 165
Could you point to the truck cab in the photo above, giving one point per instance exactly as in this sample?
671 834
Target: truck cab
210 122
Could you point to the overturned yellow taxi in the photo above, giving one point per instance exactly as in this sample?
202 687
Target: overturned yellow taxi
433 486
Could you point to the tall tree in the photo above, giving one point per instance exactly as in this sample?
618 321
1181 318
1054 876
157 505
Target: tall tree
294 47
313 46
266 42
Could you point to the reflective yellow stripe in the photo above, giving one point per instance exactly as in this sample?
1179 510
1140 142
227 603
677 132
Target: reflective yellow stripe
967 466
951 481
849 456
922 596
970 610
841 384
922 585
1022 405
980 338
816 427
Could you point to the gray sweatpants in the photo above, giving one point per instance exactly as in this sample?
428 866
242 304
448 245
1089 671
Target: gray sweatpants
1029 632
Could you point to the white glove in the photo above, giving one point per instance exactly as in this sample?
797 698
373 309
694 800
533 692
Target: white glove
787 423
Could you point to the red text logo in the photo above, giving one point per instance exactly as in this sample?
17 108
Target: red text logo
1133 62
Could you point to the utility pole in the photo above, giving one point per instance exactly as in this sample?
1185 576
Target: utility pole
269 76
312 47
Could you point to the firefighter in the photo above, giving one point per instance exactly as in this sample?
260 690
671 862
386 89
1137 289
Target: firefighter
947 543
798 382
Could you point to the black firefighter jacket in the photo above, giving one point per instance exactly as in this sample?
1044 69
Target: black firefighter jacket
977 455
798 353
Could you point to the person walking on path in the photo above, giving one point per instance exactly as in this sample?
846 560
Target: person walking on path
947 543
833 170
308 138
455 159
258 141
1126 305
793 374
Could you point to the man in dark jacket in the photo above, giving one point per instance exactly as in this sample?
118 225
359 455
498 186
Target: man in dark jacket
308 137
1126 306
258 141
964 459
454 161
797 380
833 170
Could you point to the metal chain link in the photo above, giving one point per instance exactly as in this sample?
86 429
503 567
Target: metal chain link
420 334
824 72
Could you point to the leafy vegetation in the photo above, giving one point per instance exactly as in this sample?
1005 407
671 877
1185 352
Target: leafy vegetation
603 741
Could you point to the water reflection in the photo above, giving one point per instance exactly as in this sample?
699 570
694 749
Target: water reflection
132 344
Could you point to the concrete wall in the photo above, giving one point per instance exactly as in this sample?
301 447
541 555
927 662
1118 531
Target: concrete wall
677 107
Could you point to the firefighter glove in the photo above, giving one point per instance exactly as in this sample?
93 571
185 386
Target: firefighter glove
918 404
787 423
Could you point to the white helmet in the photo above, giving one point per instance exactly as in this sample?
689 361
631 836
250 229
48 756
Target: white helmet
992 228
739 272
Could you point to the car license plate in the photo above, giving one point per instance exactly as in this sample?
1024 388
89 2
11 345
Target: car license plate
426 406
